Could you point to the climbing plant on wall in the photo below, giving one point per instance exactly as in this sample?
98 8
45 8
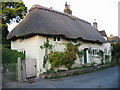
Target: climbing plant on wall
67 57
90 54
107 57
101 54
47 46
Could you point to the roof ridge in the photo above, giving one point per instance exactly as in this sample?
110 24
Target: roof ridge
36 6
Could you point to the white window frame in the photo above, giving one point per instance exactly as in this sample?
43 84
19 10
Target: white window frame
105 51
95 51
56 39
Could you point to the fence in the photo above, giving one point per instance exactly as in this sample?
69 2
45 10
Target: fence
9 72
13 72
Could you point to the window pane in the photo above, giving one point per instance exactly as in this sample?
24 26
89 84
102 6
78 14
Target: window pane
105 51
54 38
58 38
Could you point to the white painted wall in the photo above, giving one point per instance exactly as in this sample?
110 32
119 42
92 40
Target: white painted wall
33 50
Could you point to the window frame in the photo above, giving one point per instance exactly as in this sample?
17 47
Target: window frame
105 51
95 51
56 39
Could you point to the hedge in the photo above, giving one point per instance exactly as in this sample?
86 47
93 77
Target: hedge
10 56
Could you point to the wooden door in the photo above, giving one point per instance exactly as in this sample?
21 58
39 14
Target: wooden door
31 68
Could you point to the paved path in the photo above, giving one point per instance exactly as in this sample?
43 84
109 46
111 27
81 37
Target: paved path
107 78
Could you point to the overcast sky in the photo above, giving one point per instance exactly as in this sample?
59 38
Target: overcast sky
104 11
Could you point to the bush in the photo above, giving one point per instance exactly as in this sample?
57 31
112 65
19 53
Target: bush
10 56
66 58
60 70
77 68
49 71
56 59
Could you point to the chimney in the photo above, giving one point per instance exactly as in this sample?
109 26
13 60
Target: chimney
95 24
67 9
68 6
111 35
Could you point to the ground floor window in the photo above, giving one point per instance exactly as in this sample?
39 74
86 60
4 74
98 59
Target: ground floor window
94 51
105 51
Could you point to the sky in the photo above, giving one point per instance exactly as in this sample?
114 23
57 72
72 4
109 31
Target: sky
104 11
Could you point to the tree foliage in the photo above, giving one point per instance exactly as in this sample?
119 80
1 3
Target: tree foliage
116 51
67 57
10 56
11 12
101 54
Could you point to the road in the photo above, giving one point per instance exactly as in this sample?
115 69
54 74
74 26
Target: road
107 78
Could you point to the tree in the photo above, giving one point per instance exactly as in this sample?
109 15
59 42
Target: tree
116 51
11 11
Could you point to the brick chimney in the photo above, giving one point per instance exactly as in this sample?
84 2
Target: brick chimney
67 9
95 25
111 35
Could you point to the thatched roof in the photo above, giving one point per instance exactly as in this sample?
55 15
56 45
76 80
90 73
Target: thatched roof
45 21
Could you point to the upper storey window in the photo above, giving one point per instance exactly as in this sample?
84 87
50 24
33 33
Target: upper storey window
56 38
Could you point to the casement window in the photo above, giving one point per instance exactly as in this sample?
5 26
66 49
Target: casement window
56 38
105 51
94 52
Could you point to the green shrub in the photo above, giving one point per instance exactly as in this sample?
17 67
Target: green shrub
76 73
46 77
10 56
77 68
66 58
56 59
61 70
49 71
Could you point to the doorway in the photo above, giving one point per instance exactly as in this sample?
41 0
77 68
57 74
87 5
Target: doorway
86 55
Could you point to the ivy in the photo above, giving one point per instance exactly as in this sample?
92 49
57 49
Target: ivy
101 54
107 57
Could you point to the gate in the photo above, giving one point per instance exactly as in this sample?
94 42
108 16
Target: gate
31 68
19 71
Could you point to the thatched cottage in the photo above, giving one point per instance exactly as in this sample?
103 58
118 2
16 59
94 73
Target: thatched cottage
41 23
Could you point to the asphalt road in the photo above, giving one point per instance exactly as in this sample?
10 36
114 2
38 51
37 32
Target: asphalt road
107 78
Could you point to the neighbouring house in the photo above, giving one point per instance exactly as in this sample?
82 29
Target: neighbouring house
113 39
102 32
59 28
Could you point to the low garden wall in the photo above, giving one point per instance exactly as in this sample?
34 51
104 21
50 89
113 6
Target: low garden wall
73 72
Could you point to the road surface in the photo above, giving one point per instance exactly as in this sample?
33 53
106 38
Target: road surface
107 78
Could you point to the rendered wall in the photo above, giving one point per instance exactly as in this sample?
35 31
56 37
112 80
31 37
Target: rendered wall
33 50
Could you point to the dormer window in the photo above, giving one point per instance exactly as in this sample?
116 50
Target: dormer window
56 38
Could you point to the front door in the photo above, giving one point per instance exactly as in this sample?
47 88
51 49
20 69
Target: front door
85 55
